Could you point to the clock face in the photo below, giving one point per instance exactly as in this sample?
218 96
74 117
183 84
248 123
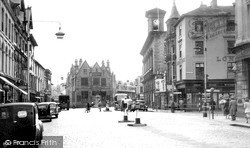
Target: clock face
156 22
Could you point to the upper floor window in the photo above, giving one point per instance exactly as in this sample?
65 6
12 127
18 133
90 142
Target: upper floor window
180 49
199 26
199 47
180 30
230 25
180 72
199 70
84 82
96 81
103 82
85 71
2 20
230 45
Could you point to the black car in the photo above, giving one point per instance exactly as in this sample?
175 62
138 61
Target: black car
45 110
19 121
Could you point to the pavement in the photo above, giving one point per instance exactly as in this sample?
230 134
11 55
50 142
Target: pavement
218 116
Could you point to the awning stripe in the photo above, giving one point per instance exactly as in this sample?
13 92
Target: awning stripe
11 84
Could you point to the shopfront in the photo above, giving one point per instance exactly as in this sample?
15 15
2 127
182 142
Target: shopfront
192 91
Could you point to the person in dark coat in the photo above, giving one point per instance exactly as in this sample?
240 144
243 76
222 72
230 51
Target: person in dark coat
226 109
172 107
87 107
233 109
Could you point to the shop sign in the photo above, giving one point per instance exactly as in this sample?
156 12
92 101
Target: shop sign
226 59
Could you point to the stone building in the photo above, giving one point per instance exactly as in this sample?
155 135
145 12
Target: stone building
89 83
153 57
242 49
204 41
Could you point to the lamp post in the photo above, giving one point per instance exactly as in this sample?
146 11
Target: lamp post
59 35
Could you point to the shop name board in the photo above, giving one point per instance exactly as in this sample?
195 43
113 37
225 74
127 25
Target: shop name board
125 88
226 59
160 85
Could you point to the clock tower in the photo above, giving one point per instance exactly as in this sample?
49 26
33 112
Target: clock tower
155 19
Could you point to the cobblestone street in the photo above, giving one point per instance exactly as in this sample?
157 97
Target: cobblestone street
164 129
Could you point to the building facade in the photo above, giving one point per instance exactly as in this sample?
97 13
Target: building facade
89 84
204 41
17 63
153 57
242 49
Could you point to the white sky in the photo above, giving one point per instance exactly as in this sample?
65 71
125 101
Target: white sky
97 30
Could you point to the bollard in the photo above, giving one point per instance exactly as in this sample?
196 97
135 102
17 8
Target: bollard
137 121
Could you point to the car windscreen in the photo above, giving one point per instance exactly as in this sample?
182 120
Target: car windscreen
42 106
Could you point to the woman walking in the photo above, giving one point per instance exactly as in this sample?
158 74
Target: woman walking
247 109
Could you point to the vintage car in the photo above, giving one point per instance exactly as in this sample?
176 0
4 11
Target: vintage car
46 110
139 105
19 121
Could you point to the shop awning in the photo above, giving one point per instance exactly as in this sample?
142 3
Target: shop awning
11 84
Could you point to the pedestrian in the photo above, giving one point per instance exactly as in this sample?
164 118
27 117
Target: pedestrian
247 109
87 108
212 107
172 107
100 105
233 108
226 108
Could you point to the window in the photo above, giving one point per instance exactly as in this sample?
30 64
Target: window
2 18
199 47
180 30
84 82
180 72
85 71
6 24
180 50
230 45
230 25
85 94
199 26
96 81
199 70
103 82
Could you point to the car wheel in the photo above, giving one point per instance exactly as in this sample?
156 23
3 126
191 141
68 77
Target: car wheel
56 115
50 119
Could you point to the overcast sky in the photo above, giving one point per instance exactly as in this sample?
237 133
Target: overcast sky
97 30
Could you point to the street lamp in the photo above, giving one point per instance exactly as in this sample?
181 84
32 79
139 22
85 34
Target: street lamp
59 35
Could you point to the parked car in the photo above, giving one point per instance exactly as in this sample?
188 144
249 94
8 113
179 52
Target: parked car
140 105
45 110
54 107
19 121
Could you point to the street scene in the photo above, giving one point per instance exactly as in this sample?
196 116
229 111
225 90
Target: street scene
164 129
144 73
